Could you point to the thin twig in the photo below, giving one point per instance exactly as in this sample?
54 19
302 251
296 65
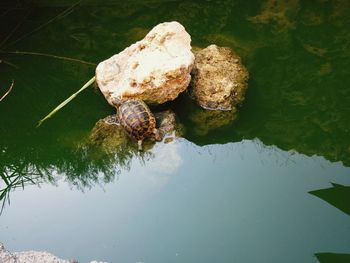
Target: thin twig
9 63
60 15
9 90
48 55
14 29
9 10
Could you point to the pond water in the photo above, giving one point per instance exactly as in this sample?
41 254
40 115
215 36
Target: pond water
272 186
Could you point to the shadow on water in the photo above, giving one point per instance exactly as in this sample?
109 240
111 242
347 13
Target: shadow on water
336 196
332 258
297 55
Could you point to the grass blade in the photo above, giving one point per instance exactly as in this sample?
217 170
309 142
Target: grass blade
44 55
64 103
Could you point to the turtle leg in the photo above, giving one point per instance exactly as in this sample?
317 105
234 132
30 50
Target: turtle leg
139 143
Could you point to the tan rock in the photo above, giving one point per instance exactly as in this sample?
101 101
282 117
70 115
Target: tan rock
155 69
219 79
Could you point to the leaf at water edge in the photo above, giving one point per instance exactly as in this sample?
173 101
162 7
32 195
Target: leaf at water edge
64 103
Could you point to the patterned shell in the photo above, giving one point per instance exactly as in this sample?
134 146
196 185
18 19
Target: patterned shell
137 119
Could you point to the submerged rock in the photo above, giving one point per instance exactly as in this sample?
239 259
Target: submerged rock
155 69
206 121
108 133
219 79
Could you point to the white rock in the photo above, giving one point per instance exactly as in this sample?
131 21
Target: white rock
155 69
39 257
30 257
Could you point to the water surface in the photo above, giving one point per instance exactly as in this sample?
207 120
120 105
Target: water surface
255 190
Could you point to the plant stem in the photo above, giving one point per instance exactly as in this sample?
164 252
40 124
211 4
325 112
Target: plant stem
8 91
8 63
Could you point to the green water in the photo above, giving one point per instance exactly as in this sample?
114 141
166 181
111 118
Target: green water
256 190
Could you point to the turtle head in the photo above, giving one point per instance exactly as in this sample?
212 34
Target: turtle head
157 135
116 101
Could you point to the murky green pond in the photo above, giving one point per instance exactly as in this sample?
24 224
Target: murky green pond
273 186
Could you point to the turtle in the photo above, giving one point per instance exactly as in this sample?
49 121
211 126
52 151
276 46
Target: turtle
138 121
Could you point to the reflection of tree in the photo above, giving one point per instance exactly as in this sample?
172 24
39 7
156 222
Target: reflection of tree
88 164
96 159
105 152
93 159
19 176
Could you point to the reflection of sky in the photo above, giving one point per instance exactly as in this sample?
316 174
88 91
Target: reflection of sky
165 162
238 202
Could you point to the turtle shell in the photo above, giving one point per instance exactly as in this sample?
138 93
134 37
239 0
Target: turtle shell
137 119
